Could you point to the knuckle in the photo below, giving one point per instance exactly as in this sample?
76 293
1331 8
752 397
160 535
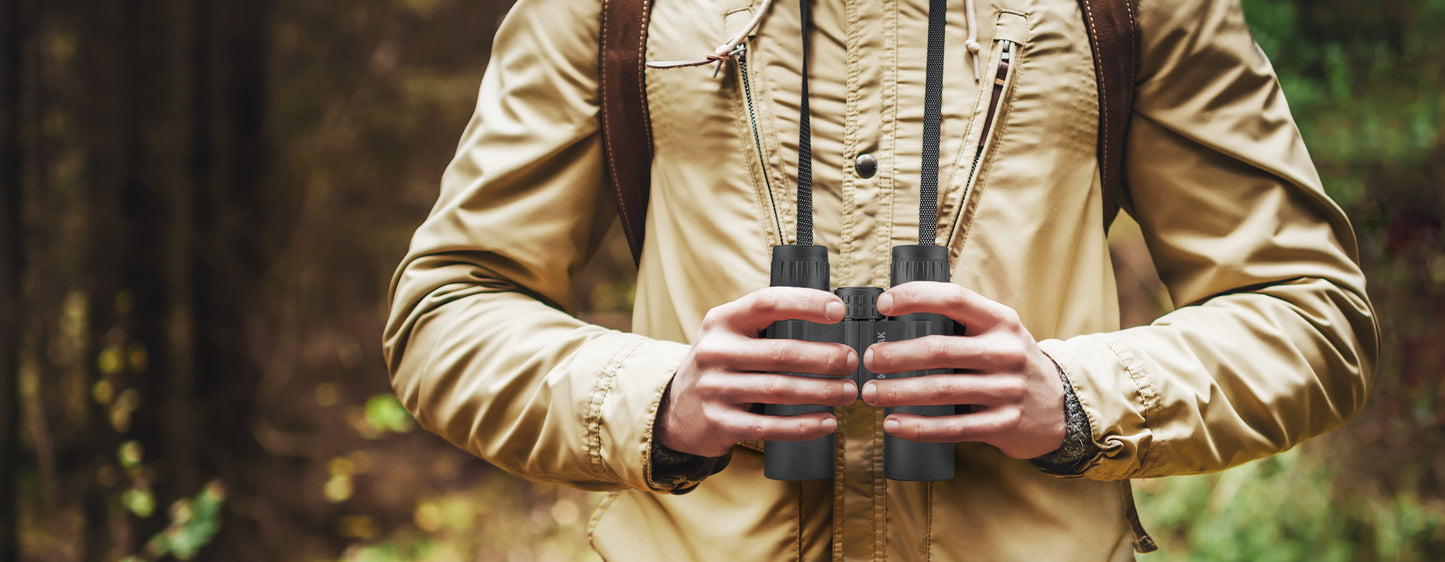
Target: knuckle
954 386
714 317
1013 389
803 429
707 353
831 393
775 353
957 429
1010 420
766 302
706 388
838 361
770 386
918 430
1009 354
884 390
730 387
956 300
1016 361
714 417
731 426
757 430
940 347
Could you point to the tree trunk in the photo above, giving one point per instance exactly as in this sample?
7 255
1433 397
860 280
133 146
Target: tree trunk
12 262
100 74
235 216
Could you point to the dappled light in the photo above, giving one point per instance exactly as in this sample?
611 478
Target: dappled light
205 202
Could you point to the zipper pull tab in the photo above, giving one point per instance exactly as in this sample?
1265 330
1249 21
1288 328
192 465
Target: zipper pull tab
973 50
737 52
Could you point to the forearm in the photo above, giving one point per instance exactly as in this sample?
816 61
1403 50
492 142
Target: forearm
1221 383
534 390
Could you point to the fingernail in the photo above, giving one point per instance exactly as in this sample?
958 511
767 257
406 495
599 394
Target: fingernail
835 311
884 303
870 393
849 388
868 357
829 423
892 426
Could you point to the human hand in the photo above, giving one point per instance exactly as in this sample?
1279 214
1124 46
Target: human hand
1018 403
729 368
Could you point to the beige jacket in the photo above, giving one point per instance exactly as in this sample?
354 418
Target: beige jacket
1273 340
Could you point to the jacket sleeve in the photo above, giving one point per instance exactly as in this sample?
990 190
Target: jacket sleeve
481 345
1274 339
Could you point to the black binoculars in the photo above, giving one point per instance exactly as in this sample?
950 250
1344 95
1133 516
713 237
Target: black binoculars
807 266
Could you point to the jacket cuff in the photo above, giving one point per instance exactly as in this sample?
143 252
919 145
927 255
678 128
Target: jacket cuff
1116 396
1078 448
680 473
624 406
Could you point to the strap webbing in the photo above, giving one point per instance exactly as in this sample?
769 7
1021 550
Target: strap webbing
932 121
805 138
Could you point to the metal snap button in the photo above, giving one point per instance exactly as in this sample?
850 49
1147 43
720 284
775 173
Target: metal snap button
866 165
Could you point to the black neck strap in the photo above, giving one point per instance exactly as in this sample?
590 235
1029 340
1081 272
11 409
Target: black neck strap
932 123
805 138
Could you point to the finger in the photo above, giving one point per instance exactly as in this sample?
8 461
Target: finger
743 426
749 388
972 353
753 312
988 426
785 356
962 305
944 390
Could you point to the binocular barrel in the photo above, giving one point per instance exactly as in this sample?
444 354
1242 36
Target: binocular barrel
904 459
807 266
799 266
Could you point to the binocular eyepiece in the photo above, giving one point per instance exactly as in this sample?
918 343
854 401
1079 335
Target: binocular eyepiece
807 266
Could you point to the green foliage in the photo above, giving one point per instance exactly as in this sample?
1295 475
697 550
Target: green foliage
139 501
498 519
194 522
1359 85
385 414
1283 508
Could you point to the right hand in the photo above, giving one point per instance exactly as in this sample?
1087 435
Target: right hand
729 368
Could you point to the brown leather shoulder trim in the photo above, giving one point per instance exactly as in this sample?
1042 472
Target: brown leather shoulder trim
626 129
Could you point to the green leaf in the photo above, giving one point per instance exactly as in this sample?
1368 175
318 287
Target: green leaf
385 413
130 453
138 501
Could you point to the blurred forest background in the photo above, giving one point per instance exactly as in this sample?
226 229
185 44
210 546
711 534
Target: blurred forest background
201 202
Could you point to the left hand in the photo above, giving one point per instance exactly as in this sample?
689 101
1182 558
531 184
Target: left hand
1017 398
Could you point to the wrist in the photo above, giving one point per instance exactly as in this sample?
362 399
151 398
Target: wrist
1078 446
674 471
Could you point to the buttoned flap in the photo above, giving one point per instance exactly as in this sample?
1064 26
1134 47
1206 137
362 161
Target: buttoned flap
1011 26
736 16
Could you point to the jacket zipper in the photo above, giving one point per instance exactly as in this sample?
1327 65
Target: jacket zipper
1000 87
741 56
1000 80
